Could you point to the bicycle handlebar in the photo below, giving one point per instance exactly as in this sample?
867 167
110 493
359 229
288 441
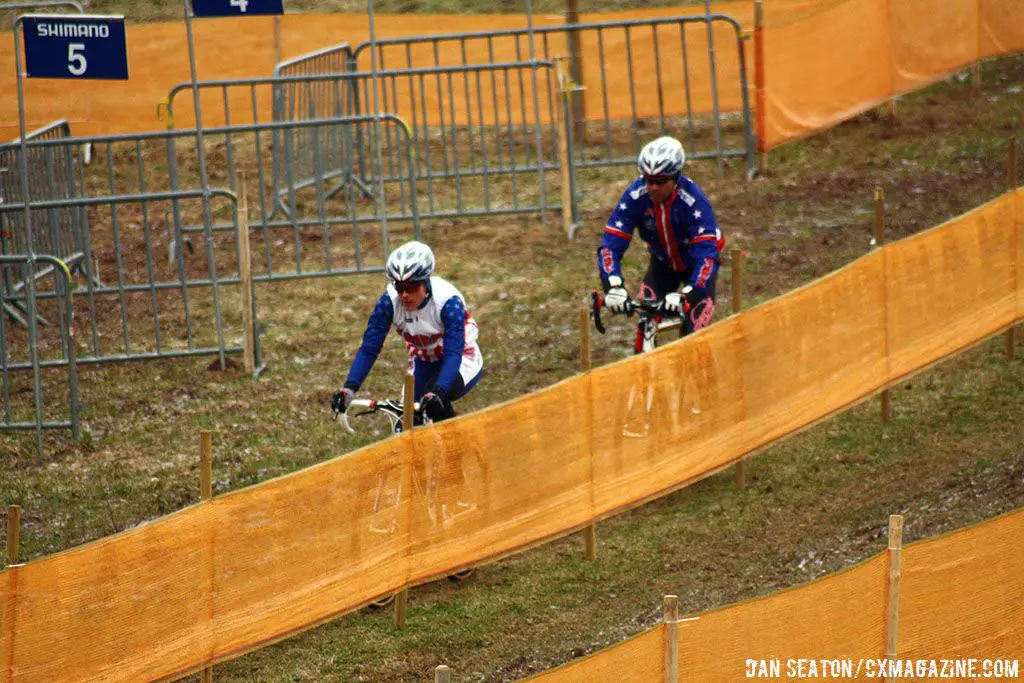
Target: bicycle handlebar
642 306
393 408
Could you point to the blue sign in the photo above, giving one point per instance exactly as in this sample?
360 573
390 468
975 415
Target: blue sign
236 8
75 46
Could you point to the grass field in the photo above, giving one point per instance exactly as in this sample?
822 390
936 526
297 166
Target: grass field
814 504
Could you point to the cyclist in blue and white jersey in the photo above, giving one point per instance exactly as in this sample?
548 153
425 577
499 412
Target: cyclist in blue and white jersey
673 216
432 317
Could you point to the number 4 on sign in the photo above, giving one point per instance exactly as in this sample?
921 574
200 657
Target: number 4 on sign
235 8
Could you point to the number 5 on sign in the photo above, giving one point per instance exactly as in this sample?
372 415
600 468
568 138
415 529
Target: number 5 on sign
75 46
76 59
236 8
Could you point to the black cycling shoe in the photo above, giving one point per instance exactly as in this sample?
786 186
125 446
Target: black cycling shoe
459 577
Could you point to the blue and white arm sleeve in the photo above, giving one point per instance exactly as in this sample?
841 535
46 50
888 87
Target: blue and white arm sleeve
373 341
453 316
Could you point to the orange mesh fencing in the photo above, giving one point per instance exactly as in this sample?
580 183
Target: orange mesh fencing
636 659
815 71
245 569
961 596
964 594
243 48
818 72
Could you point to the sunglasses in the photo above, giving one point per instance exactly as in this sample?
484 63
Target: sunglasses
657 179
407 287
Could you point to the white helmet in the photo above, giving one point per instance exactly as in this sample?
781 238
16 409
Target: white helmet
661 157
411 262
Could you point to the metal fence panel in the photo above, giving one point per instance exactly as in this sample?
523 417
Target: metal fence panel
53 173
143 292
302 155
642 77
483 139
45 347
320 232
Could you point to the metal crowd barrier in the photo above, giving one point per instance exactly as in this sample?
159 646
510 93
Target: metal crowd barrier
134 303
296 100
483 137
674 101
38 347
53 173
320 233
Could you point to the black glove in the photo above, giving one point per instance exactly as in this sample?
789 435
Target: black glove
341 399
432 406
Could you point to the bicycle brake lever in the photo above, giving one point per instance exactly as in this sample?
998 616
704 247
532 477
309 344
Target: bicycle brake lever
596 302
342 417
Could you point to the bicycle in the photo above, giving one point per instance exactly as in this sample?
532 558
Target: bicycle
652 318
444 506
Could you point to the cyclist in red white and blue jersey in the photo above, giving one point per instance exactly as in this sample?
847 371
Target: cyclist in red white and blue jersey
674 217
439 332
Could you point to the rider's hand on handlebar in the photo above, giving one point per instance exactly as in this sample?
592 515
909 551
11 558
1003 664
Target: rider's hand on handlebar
617 298
678 303
675 304
432 406
342 399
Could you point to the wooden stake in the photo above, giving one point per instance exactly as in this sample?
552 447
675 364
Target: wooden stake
572 17
590 533
13 534
736 263
245 276
206 493
879 233
10 614
671 620
205 466
442 674
561 127
892 603
408 413
278 51
408 403
976 79
585 339
1011 175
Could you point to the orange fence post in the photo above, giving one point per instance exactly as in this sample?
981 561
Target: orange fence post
879 231
590 533
206 493
670 617
736 263
408 408
1011 175
892 601
760 124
